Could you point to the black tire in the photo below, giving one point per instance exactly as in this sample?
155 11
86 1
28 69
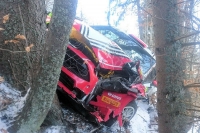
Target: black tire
132 106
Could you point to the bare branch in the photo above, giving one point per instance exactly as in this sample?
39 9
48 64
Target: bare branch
12 51
190 44
192 85
126 3
165 19
190 14
197 110
195 106
188 60
182 2
194 121
188 35
24 32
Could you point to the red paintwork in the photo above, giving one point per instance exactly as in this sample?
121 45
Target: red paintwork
83 85
106 59
132 94
140 88
77 25
120 120
96 113
155 83
106 109
109 61
140 41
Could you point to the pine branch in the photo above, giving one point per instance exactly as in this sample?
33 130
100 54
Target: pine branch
164 19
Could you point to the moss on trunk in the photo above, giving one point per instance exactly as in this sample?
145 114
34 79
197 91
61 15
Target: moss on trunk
169 64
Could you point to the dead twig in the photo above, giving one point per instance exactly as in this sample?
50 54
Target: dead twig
190 44
92 131
4 102
24 32
187 35
12 51
142 118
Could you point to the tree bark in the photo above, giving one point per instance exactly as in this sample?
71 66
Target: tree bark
169 65
39 69
55 115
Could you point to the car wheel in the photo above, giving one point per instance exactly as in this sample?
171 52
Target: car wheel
129 111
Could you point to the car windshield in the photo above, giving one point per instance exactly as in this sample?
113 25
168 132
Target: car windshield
131 47
121 39
135 54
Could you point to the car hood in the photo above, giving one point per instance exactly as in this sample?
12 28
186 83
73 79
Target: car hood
109 54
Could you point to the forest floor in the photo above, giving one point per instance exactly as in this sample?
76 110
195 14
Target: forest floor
144 121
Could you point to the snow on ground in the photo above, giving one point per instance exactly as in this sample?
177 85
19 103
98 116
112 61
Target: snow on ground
144 121
53 129
139 124
11 103
141 121
195 128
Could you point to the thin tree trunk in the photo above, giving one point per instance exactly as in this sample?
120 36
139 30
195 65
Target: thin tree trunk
140 20
109 12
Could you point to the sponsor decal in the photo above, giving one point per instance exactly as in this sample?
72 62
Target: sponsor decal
114 96
110 101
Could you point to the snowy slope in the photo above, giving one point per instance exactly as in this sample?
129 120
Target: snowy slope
144 120
139 124
141 121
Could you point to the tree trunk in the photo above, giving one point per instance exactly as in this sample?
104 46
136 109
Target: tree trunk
39 69
55 115
170 105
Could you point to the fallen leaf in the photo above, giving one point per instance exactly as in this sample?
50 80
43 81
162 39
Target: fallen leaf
28 49
11 41
6 41
22 37
2 29
31 45
1 79
6 18
15 41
